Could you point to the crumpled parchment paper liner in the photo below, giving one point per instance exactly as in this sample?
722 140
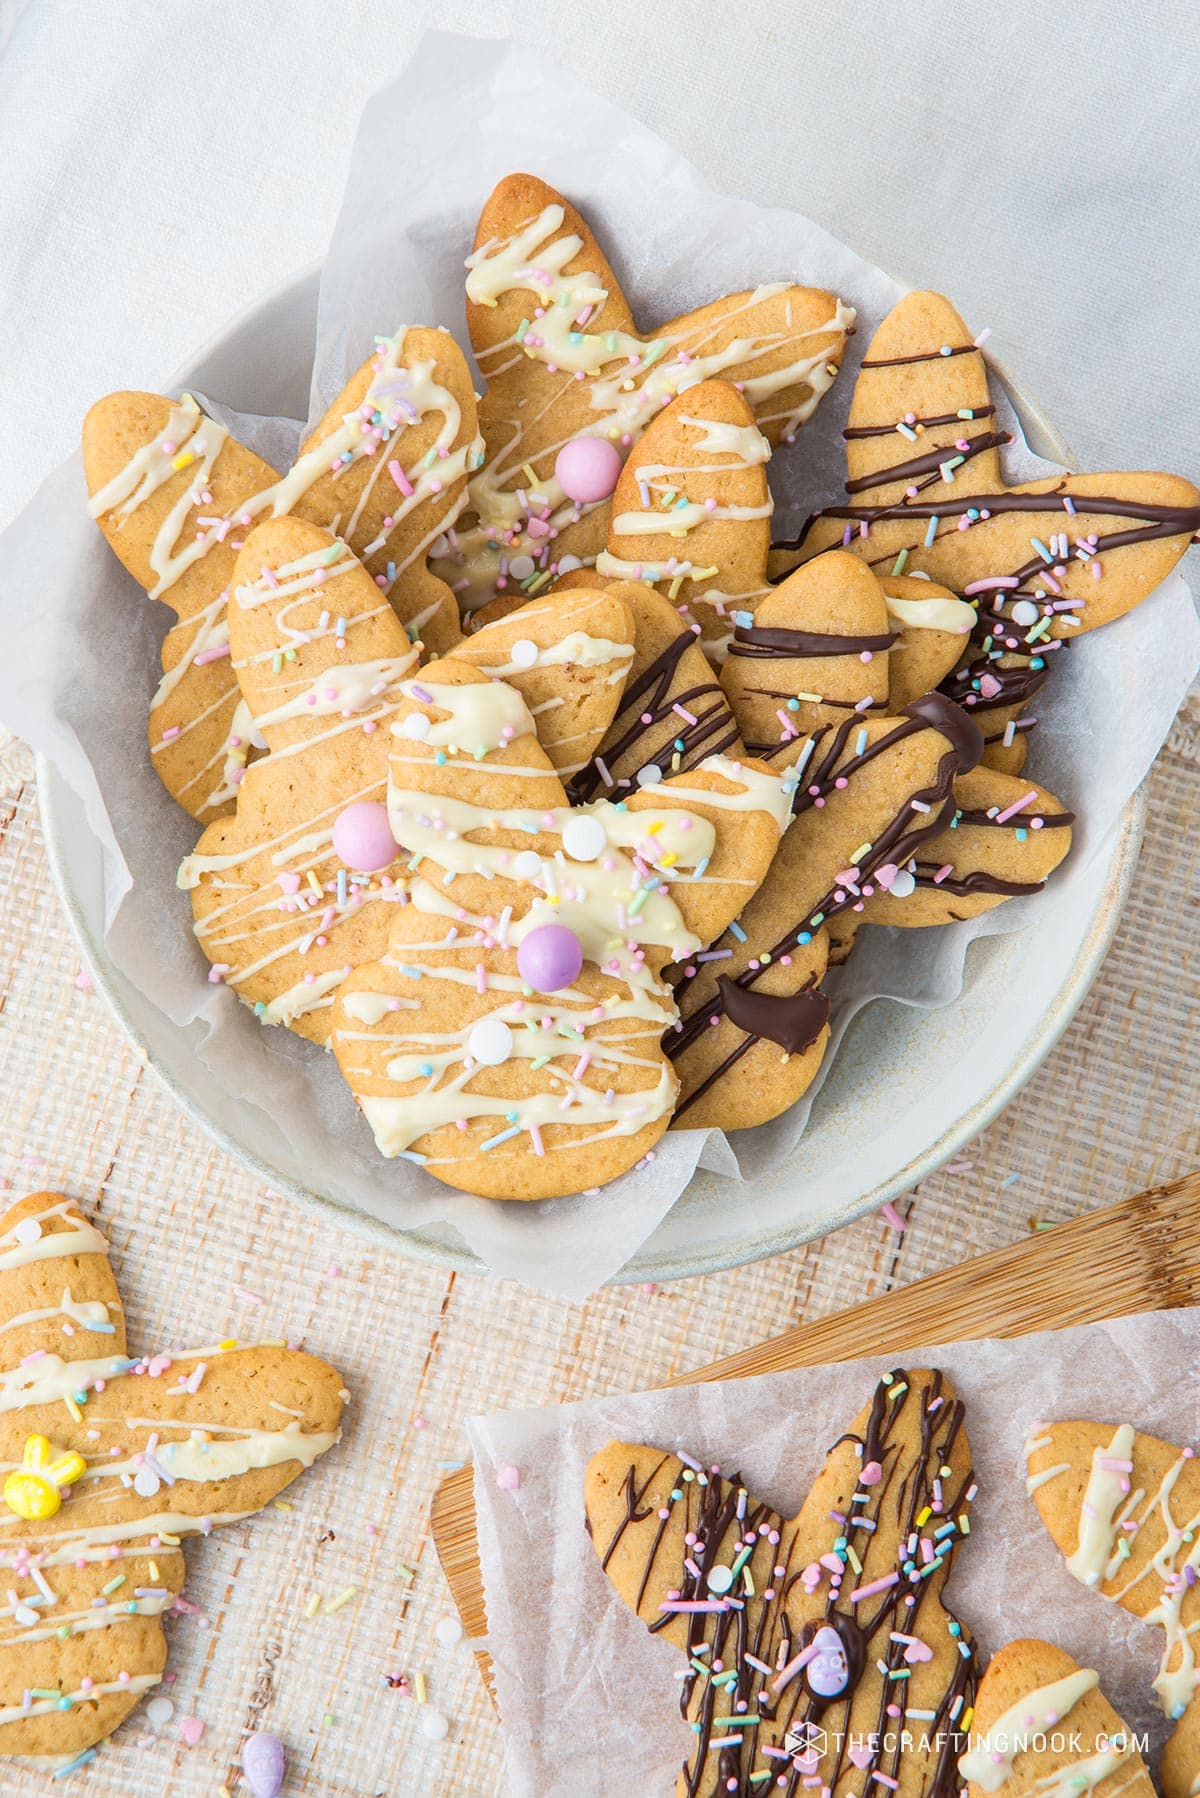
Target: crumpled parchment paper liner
82 660
587 1696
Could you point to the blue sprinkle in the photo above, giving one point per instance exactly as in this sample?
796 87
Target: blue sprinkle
931 530
504 1136
736 930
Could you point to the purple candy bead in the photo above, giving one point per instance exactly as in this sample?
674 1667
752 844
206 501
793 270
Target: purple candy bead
263 1764
550 957
586 469
362 837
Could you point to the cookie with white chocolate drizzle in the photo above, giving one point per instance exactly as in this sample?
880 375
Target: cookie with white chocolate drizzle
1124 1508
293 891
174 495
818 1649
1043 1726
572 383
112 1459
509 1040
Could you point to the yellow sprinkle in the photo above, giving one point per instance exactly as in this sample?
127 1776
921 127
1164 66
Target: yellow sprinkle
967 1715
342 1599
964 1525
533 480
230 1342
653 829
853 1559
171 1541
863 849
815 698
73 1408
313 882
313 1605
419 1682
679 531
182 459
748 1582
673 589
923 1517
406 1572
668 861
281 1504
155 1575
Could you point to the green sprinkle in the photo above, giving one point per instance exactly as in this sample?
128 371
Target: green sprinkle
899 564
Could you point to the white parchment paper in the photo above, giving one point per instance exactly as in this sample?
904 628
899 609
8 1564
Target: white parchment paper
587 1696
81 657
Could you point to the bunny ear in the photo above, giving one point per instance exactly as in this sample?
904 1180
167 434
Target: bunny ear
57 1291
691 512
284 904
402 480
816 648
1006 839
789 1661
155 468
302 606
672 713
1041 1720
748 805
568 655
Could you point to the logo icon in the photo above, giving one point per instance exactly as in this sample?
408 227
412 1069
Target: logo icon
806 1738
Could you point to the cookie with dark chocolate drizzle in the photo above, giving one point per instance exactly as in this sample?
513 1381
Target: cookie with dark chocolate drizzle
672 713
867 794
1043 559
819 1653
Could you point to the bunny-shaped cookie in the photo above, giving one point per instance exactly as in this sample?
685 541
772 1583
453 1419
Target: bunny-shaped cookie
510 1038
571 383
149 1449
818 1650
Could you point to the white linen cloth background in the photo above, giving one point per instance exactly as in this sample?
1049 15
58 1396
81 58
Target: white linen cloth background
163 165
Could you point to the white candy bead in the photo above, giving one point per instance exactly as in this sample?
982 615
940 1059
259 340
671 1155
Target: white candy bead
1025 612
434 1726
449 1632
28 1230
146 1482
524 653
521 567
904 884
490 1042
528 865
650 775
159 1710
584 838
416 726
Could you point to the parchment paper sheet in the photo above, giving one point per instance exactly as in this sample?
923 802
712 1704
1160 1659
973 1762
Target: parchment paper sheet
81 658
587 1698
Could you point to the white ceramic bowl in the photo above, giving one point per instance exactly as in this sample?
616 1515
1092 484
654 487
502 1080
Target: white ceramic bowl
884 1118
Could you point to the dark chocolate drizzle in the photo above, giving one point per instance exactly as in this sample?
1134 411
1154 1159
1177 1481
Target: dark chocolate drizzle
793 1020
713 733
1159 521
911 1484
898 842
930 462
752 640
942 418
941 354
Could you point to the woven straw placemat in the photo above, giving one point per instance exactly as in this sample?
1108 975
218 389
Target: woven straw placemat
202 1250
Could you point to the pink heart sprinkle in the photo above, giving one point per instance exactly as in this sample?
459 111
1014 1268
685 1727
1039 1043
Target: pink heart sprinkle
861 1756
884 876
191 1729
989 686
289 883
871 1474
508 1478
918 1651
